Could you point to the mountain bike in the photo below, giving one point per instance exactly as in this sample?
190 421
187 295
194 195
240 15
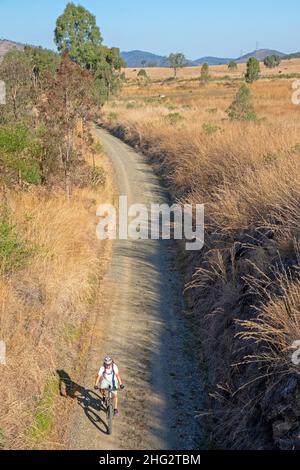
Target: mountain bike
108 406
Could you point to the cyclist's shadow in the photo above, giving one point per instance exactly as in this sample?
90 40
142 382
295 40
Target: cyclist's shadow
89 401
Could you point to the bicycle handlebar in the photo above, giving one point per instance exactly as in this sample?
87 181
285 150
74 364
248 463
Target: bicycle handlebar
110 389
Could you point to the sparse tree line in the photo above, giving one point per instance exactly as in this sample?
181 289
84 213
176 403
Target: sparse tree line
48 93
178 60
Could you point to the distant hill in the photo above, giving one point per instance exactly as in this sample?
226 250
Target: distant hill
143 59
147 59
6 46
139 58
295 55
211 61
260 54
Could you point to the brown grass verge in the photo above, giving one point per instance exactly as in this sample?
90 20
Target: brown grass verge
48 307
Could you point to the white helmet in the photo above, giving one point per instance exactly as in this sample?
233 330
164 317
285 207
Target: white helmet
108 361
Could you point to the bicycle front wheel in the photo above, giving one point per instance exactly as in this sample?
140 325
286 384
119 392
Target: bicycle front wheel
110 419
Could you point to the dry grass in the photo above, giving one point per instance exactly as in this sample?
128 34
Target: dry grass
157 73
277 325
243 303
45 305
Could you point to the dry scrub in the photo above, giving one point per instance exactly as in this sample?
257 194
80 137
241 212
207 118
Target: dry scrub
243 288
47 304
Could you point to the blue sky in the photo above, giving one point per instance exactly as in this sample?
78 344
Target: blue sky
195 27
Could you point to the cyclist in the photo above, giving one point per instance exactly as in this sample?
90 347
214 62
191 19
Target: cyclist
109 376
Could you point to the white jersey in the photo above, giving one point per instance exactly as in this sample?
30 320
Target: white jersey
109 373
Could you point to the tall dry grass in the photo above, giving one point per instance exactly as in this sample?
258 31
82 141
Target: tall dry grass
45 306
244 304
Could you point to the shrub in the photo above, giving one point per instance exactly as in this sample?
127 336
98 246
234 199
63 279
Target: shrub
72 332
29 171
295 148
98 148
253 70
13 250
269 158
131 105
44 414
209 128
232 65
272 61
20 154
112 116
97 177
142 73
204 77
13 139
212 110
173 118
241 107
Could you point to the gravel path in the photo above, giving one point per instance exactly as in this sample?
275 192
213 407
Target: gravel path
143 327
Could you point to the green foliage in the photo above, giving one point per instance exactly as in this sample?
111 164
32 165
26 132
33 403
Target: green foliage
97 177
212 110
23 71
242 108
142 73
98 147
16 72
112 116
253 70
44 414
173 118
269 158
131 105
232 66
72 332
13 251
17 148
47 94
93 283
272 61
29 171
107 72
13 139
209 128
77 33
204 76
176 61
295 149
41 60
75 29
171 107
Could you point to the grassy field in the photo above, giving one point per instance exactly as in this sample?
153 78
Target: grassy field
217 71
243 288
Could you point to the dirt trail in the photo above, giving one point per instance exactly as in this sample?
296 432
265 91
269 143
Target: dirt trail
143 328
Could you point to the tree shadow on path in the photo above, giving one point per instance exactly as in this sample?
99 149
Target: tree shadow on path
89 401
